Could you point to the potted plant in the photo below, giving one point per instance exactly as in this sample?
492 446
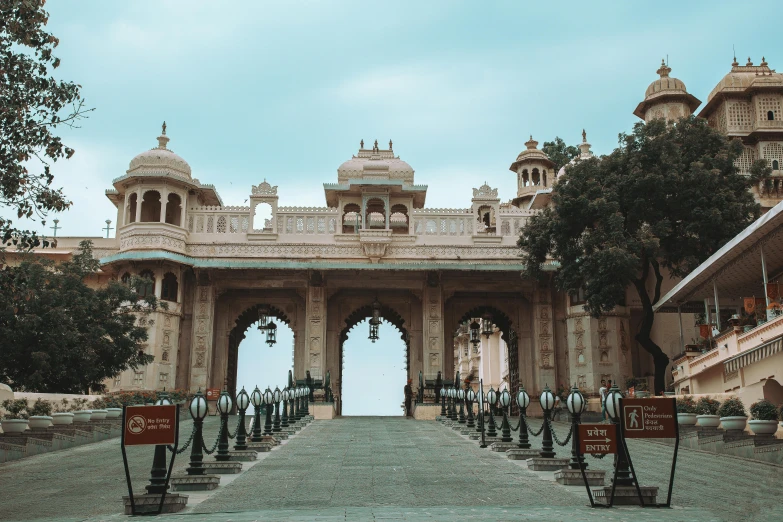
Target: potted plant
733 416
707 412
686 411
15 416
40 414
765 418
693 348
80 414
639 386
62 417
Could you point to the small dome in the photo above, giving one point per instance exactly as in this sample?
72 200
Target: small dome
742 77
375 163
160 160
665 83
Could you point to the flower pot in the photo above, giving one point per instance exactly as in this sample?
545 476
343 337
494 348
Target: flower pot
62 419
642 394
708 421
686 419
13 425
82 416
733 423
98 414
763 427
40 422
113 413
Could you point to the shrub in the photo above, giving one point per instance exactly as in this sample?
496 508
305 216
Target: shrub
707 406
78 405
15 409
764 410
686 404
638 384
130 398
732 407
41 408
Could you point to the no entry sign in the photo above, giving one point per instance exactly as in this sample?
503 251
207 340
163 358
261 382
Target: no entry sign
598 439
213 394
146 425
649 418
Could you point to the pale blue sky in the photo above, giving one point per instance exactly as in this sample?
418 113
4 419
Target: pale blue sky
285 90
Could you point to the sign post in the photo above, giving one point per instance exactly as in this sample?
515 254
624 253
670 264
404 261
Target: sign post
213 394
596 439
149 426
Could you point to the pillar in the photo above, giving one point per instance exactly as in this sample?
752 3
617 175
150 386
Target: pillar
164 201
432 326
203 319
543 337
315 328
140 195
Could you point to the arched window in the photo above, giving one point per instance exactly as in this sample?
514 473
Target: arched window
535 177
174 210
125 278
352 218
375 214
525 178
775 165
770 115
398 220
148 288
150 207
169 288
131 213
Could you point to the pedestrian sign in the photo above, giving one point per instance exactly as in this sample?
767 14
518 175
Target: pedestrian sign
649 418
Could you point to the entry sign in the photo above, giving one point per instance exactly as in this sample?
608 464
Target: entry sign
598 439
213 394
649 418
146 425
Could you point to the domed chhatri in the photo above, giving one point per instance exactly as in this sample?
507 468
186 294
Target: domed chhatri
666 98
375 163
160 160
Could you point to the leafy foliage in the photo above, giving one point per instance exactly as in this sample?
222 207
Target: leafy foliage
61 336
131 398
637 384
559 152
41 407
32 105
665 200
686 404
732 407
707 406
15 409
764 410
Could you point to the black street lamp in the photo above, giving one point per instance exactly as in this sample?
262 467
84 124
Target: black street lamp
576 405
453 398
492 397
276 399
442 402
263 319
268 400
486 325
523 401
271 333
505 401
198 410
547 401
475 334
291 406
461 399
257 398
224 406
157 485
612 401
284 401
243 401
307 400
470 396
373 331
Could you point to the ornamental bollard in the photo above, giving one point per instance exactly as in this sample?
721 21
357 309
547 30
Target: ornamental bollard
257 399
243 401
224 406
522 451
268 401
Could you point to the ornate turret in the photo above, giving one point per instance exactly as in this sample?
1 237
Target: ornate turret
535 172
666 98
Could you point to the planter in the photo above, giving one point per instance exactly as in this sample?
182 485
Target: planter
708 421
113 413
62 419
686 419
40 422
82 416
733 423
98 414
13 425
763 427
642 394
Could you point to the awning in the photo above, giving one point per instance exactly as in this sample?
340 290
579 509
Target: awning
751 356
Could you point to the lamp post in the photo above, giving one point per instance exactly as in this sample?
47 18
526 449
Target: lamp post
271 333
442 402
224 406
157 485
461 399
297 404
276 395
243 401
307 400
547 401
470 396
492 397
486 325
523 401
613 396
257 398
284 403
198 410
453 397
505 401
268 400
576 405
291 406
475 334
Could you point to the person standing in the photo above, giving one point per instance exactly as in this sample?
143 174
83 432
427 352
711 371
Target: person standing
408 390
602 393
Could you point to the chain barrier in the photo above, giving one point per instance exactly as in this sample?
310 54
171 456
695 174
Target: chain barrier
236 430
554 435
531 431
204 446
519 424
187 444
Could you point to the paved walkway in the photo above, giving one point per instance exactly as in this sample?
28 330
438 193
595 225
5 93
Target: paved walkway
386 468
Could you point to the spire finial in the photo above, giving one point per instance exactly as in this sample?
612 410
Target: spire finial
664 69
163 127
361 144
749 61
584 136
390 144
163 139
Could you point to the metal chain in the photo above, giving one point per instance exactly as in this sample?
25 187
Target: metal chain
204 446
187 444
518 426
236 430
554 435
531 431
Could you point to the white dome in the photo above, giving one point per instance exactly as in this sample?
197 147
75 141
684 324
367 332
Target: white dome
160 160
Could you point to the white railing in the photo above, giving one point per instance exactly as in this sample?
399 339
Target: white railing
443 222
219 220
308 220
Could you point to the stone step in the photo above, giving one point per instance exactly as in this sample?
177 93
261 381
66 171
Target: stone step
194 482
573 477
625 495
222 467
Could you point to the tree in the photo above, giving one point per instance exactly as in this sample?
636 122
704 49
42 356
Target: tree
560 153
62 336
32 105
664 201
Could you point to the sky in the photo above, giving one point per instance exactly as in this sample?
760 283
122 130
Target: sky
284 91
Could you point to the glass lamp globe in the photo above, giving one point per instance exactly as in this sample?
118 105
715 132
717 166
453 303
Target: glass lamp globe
256 397
492 396
471 395
576 401
612 401
505 398
523 399
243 400
268 396
547 399
460 394
198 406
443 392
284 394
277 394
163 400
224 403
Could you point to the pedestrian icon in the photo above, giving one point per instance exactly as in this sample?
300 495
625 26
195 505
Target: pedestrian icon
634 418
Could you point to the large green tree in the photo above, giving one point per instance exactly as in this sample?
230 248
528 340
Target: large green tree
33 104
559 152
59 335
664 201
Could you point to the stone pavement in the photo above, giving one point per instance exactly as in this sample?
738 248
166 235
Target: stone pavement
386 468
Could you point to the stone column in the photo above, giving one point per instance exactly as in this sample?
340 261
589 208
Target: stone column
432 325
203 319
315 328
544 338
164 201
139 197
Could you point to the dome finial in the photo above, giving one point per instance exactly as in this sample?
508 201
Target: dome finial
664 70
390 145
361 144
163 128
584 136
163 139
749 62
531 143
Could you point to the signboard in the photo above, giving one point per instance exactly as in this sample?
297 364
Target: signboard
649 418
598 439
145 425
213 394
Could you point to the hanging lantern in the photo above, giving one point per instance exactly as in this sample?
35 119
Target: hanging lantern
262 319
271 333
376 312
487 328
475 336
373 331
